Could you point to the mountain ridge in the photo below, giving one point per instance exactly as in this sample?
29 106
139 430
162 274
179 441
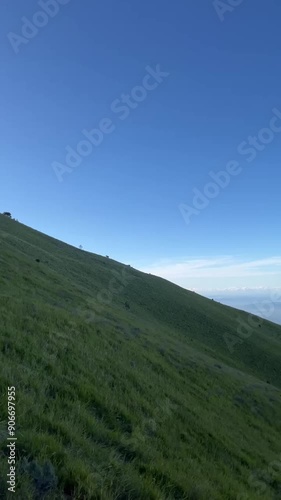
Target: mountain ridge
127 386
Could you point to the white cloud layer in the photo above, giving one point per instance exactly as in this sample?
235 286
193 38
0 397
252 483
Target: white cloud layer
223 272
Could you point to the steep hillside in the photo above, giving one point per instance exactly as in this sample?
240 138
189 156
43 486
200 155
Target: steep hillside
130 387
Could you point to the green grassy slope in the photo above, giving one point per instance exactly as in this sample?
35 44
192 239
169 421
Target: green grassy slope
126 387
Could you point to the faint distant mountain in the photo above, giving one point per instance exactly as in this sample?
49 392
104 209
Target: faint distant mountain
253 301
254 309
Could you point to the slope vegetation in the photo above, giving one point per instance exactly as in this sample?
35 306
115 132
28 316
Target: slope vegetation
129 387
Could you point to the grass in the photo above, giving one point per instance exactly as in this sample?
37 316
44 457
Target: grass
127 389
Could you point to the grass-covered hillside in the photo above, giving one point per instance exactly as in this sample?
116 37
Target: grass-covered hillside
129 387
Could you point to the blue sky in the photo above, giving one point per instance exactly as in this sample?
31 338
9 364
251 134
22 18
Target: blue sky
222 82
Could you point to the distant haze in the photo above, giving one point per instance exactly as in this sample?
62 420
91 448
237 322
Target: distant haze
261 302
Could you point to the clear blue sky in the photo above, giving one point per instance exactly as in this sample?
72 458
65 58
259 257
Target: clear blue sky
123 199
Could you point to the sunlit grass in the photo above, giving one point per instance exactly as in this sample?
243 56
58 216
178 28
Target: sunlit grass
137 397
